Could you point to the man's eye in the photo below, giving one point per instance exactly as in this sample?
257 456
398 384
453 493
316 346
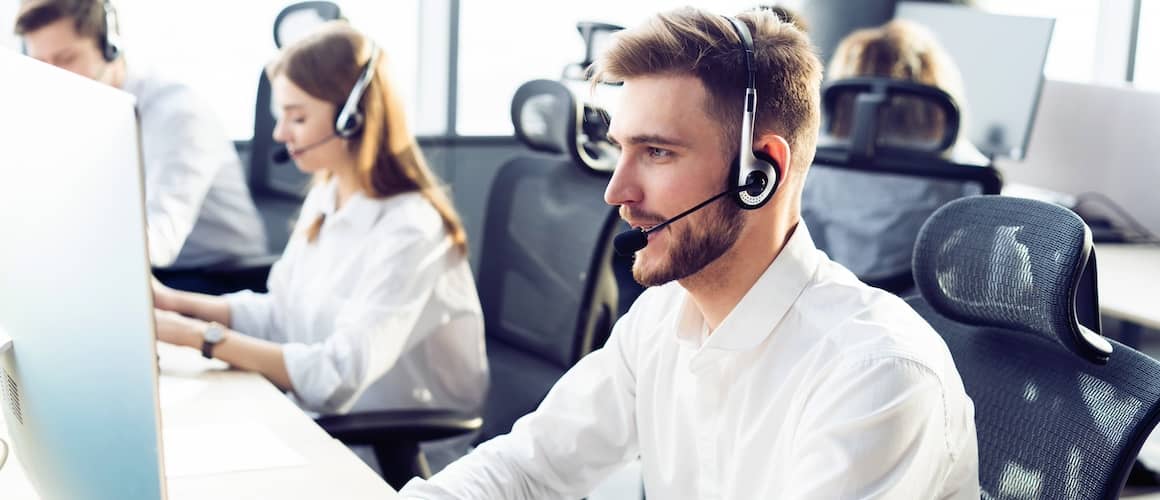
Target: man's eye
658 153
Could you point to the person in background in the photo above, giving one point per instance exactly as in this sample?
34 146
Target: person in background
867 221
753 366
198 208
372 305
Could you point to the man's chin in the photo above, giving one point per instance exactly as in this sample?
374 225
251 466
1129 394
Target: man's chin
649 272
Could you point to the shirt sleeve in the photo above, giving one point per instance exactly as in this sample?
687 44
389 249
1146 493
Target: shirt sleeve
257 314
873 428
389 311
584 430
182 149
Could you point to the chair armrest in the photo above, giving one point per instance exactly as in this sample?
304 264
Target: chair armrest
399 426
248 264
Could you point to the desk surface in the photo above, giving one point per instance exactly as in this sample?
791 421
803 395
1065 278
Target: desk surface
1129 282
331 471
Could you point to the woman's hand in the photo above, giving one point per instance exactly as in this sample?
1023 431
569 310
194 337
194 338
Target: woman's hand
173 328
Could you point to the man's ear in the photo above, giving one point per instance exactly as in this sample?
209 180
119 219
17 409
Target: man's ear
775 148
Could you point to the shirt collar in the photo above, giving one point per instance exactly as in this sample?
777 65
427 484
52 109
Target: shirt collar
753 319
359 212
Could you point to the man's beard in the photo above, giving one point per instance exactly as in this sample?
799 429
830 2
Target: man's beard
694 244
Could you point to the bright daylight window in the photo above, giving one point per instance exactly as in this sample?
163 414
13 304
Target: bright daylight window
499 51
219 46
1148 47
1072 54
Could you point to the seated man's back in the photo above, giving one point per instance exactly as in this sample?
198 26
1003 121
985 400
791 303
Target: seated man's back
198 205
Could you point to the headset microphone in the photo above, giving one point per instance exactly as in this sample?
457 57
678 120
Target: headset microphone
633 240
282 154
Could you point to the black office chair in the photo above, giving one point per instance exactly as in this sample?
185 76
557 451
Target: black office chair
595 35
1010 284
549 295
546 286
870 127
277 193
278 189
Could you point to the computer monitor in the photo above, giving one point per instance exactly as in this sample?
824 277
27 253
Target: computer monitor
1001 59
80 380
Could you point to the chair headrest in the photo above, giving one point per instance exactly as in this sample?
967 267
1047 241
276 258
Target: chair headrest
1013 263
895 116
299 19
547 117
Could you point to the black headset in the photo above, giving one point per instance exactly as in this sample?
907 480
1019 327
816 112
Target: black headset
110 41
350 119
751 166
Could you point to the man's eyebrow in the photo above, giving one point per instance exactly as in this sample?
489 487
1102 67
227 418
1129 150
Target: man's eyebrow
651 139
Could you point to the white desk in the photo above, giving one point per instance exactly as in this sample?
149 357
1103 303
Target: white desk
1129 282
331 471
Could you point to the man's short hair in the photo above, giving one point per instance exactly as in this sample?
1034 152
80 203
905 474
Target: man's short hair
787 15
88 16
697 43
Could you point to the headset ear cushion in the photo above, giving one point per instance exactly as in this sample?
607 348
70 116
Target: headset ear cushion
774 166
351 126
110 51
748 199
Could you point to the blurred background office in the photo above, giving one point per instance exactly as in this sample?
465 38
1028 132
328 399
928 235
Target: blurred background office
1086 107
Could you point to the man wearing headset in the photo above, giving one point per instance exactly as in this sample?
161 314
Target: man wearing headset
197 204
754 367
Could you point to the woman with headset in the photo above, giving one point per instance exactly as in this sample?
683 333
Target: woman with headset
372 305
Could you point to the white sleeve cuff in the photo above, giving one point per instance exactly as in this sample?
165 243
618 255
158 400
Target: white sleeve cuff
315 379
250 314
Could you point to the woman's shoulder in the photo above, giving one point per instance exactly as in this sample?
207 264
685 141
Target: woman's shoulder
409 213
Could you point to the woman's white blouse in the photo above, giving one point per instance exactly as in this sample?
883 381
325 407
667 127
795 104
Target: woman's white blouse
379 312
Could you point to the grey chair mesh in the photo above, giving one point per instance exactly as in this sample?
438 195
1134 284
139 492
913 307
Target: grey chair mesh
1000 281
546 284
1006 264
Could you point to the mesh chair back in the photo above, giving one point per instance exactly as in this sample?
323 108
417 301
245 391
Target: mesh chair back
1059 414
547 288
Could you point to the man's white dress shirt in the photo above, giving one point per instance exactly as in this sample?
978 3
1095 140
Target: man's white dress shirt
814 386
197 204
379 312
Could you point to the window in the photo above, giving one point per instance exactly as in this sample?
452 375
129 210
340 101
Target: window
220 47
504 43
1147 71
1076 43
7 20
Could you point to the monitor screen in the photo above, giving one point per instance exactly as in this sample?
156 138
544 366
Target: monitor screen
1001 60
80 380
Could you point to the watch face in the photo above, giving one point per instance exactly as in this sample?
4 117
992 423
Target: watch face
214 333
